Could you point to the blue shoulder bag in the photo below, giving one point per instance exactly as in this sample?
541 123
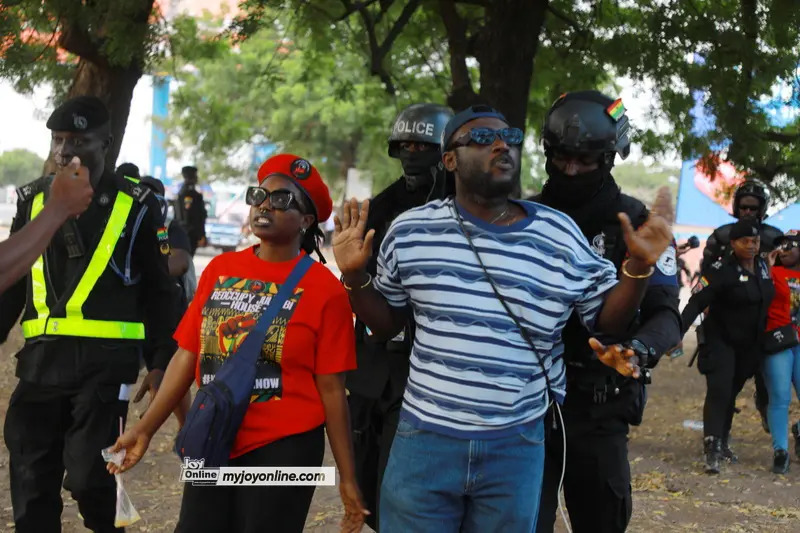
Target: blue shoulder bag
219 407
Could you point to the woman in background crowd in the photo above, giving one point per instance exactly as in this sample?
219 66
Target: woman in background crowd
782 368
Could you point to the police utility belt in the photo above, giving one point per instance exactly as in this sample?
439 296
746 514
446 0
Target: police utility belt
602 386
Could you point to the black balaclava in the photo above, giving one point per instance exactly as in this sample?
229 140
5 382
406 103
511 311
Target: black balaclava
420 168
573 191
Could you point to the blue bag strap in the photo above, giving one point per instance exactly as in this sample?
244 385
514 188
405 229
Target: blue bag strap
251 347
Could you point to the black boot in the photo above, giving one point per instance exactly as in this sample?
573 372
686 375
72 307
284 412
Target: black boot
713 453
796 433
727 453
780 462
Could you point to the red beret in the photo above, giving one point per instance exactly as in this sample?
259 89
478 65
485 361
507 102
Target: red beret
305 176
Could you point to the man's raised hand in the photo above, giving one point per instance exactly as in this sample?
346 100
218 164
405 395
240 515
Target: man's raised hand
71 192
651 239
351 248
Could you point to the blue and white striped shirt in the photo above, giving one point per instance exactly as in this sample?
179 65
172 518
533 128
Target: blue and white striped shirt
472 373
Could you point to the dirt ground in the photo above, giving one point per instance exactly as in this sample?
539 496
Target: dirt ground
671 493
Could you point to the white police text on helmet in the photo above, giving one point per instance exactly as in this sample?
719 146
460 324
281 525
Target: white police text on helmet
420 128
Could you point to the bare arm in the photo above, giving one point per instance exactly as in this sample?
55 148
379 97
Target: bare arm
70 194
337 423
352 249
645 246
177 380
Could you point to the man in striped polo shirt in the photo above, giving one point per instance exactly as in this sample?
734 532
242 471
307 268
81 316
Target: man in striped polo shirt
490 282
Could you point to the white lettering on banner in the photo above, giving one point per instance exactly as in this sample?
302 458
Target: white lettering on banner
194 471
420 128
267 383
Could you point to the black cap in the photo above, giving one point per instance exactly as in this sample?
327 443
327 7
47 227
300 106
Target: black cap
154 184
745 227
188 168
83 113
128 169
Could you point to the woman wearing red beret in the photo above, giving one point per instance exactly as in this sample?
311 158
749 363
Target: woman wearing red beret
299 386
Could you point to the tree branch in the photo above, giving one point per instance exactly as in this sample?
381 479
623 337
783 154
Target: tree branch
397 27
76 40
778 137
377 51
351 8
564 18
456 29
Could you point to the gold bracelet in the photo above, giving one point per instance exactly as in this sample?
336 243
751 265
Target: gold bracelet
364 286
641 276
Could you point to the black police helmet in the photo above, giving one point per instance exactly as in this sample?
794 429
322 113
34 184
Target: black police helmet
587 122
419 123
755 189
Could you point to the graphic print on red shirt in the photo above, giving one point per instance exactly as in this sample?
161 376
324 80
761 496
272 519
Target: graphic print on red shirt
230 313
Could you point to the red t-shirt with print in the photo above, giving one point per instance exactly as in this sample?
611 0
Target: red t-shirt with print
786 302
312 334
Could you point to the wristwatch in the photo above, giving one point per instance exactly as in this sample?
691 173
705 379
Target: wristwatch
647 358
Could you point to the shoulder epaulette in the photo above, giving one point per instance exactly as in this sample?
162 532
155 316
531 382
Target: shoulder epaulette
132 187
28 191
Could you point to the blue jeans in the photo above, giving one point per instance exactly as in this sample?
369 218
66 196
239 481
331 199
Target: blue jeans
440 484
781 370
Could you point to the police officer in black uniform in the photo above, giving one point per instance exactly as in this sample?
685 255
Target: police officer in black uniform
190 209
751 199
582 134
376 387
83 304
737 289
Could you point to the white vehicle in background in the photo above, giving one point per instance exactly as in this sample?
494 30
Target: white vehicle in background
228 216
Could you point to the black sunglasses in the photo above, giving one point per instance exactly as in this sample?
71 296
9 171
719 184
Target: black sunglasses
280 199
749 208
486 136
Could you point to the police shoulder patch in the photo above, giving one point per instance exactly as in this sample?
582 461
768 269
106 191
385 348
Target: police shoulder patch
716 265
29 190
668 263
163 240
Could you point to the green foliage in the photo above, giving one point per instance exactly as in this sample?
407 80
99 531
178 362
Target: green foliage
748 47
20 166
311 97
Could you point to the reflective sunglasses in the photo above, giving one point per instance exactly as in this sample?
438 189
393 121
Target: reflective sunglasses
280 199
486 136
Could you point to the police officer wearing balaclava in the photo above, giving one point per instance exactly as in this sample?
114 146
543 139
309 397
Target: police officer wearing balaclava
582 134
376 387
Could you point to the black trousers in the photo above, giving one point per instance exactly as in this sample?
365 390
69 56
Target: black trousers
251 509
727 369
374 423
49 429
597 482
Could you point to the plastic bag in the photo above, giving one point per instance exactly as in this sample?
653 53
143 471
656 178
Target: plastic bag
126 513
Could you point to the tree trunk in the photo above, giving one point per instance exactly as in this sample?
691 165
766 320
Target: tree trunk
113 85
508 45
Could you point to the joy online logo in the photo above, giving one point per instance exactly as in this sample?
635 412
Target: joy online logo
194 470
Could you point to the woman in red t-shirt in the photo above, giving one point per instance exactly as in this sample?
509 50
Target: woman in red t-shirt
782 369
299 385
